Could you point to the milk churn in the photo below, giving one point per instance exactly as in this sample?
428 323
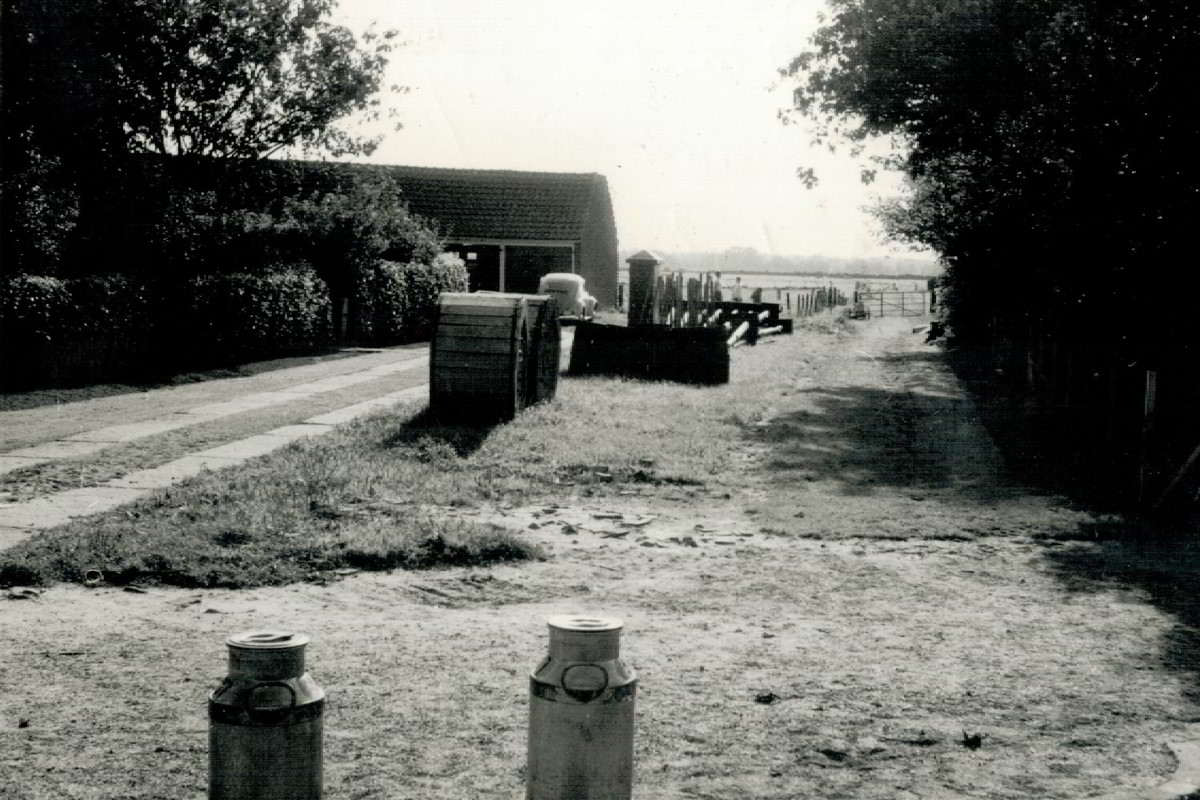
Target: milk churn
264 735
581 701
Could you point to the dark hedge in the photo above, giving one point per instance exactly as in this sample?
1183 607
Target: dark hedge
110 328
397 303
228 319
56 332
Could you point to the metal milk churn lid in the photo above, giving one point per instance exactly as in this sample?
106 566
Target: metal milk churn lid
265 727
581 704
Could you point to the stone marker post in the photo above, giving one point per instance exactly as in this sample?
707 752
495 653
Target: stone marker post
643 295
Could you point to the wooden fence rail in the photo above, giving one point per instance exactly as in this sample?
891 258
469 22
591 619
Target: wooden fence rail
1121 428
688 301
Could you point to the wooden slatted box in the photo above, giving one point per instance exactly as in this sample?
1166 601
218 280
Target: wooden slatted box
493 354
545 346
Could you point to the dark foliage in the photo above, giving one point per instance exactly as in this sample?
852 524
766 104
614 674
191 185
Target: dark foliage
91 85
100 328
235 318
398 302
1048 144
62 332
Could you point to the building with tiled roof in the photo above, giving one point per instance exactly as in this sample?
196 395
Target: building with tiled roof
513 227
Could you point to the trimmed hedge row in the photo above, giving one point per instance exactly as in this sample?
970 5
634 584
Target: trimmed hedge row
397 303
107 328
229 319
57 332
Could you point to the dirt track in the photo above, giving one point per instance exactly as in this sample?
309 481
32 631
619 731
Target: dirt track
864 589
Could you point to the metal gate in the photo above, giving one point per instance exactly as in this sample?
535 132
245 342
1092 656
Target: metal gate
895 304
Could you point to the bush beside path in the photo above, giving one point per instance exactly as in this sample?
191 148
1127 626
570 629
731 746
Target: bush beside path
831 588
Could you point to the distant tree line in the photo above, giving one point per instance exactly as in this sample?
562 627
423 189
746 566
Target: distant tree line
749 259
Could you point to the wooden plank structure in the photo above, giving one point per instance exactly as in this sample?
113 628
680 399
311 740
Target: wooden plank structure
652 352
545 348
493 354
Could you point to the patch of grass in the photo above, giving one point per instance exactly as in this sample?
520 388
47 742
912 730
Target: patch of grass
380 493
266 526
837 323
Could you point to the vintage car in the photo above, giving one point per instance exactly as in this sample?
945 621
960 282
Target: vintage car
568 292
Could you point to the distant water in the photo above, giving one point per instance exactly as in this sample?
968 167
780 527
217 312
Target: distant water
785 282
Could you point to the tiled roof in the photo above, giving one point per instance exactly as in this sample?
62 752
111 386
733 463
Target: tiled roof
500 204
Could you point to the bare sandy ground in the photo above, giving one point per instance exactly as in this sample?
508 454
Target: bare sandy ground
866 606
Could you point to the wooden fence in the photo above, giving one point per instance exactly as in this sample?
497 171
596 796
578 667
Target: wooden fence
1118 427
691 301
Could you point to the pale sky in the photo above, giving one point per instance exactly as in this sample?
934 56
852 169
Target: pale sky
673 101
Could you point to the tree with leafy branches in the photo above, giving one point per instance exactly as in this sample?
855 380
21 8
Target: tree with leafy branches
1048 146
89 83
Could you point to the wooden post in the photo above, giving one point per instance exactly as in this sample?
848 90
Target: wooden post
1149 402
1187 465
737 334
643 289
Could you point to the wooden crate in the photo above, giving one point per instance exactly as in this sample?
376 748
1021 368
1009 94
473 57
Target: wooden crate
544 348
477 360
493 354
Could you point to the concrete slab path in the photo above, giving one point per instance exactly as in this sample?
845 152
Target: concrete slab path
19 521
78 430
88 427
66 421
89 441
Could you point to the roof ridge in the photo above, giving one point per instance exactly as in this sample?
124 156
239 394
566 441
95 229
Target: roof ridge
496 203
487 171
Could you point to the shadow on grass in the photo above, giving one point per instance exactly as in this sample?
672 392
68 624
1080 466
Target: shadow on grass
429 433
1160 565
924 439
